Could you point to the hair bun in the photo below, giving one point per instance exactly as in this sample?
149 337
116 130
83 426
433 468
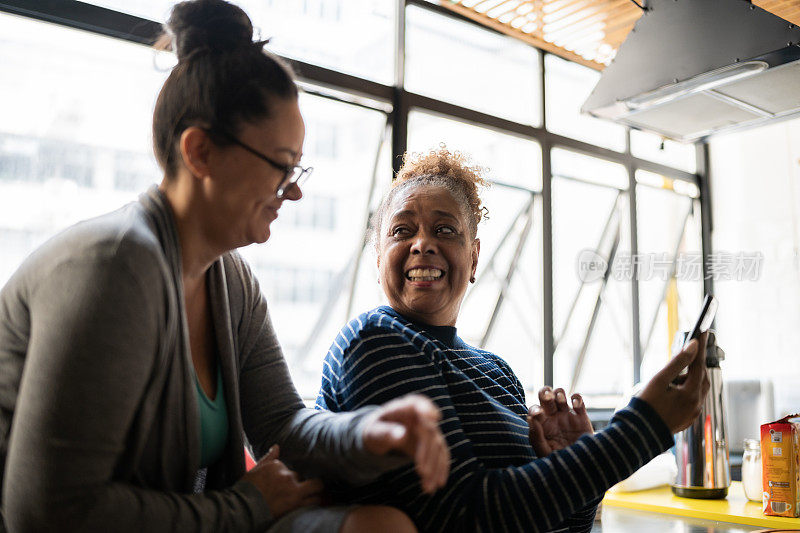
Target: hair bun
213 25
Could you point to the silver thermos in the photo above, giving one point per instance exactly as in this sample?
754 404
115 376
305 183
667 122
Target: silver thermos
701 450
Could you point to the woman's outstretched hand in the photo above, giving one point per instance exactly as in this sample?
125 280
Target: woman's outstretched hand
553 425
678 398
410 425
281 487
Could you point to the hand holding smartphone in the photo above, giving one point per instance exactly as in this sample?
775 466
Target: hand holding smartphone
704 320
701 325
677 392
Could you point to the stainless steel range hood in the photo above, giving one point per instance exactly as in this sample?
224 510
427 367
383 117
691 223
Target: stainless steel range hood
692 68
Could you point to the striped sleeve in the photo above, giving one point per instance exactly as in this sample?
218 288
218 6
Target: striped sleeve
519 389
560 489
582 521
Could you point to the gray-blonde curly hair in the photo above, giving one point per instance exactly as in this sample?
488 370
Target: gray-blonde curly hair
439 168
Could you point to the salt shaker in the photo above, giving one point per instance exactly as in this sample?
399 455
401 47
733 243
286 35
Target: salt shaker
751 469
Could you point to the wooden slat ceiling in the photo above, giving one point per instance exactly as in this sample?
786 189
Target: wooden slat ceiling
585 31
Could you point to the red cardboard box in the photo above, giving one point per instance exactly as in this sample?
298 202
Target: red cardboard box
780 460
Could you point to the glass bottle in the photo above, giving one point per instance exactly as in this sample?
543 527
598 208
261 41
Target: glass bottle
751 469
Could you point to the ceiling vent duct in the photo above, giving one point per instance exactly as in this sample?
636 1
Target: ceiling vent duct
693 68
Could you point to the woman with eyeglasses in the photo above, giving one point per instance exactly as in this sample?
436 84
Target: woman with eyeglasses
137 357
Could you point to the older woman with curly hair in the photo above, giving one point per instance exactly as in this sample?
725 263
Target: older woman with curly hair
512 468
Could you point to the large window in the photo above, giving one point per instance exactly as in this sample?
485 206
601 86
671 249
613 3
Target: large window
472 67
353 36
670 263
591 282
75 142
75 130
568 85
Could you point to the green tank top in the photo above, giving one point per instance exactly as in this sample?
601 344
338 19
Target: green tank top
213 422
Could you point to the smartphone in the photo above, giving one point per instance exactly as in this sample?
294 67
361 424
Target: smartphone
704 320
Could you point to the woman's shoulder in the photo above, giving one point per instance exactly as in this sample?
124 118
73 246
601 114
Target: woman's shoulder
376 345
463 346
114 254
371 330
479 355
368 324
381 321
379 333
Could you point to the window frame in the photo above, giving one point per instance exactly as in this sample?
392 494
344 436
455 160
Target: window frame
396 102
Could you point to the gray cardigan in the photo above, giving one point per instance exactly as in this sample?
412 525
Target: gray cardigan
98 418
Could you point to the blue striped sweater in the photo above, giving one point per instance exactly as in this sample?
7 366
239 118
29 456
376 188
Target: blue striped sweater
496 481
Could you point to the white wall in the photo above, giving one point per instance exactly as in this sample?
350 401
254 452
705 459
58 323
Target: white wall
755 187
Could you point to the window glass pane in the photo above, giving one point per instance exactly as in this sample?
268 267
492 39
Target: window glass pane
670 267
591 301
665 151
502 311
75 133
511 328
509 159
472 67
305 269
353 36
566 163
568 85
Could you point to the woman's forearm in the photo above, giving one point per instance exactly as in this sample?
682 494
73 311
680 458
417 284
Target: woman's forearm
545 493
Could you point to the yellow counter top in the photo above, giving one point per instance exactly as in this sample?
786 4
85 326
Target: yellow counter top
735 508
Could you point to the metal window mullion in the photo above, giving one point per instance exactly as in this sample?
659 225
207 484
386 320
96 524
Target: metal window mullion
636 341
706 220
548 345
88 17
400 43
548 350
400 107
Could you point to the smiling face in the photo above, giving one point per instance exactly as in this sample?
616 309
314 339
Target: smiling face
241 188
426 255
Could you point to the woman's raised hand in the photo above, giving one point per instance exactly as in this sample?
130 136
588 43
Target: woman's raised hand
553 425
410 425
678 398
280 486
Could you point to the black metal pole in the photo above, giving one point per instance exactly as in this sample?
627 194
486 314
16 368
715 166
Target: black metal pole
399 117
636 341
83 16
548 348
706 219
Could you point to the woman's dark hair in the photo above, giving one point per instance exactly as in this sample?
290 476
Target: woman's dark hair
222 80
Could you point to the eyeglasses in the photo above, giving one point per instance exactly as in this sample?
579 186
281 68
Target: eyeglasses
292 175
